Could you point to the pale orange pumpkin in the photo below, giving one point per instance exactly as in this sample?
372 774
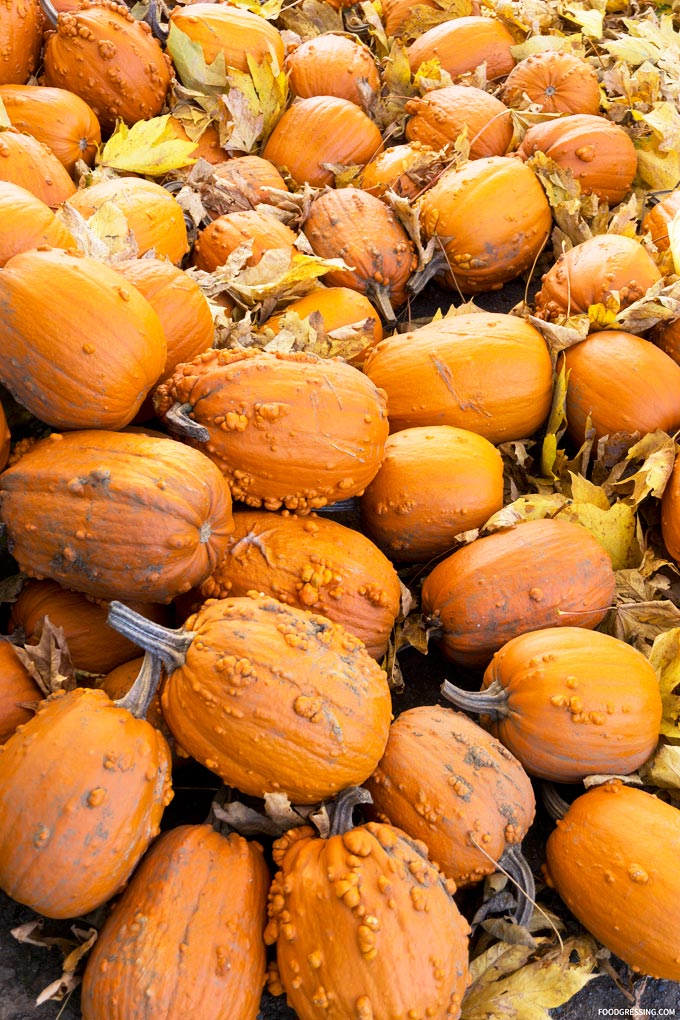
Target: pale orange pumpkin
405 169
462 44
56 117
557 81
441 115
30 164
333 65
27 222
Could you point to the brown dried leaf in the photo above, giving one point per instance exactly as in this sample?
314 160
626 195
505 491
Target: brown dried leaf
665 657
656 451
49 661
641 623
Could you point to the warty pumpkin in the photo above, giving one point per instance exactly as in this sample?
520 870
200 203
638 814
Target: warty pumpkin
406 169
116 515
612 860
27 222
259 230
462 44
229 32
365 925
557 81
106 357
434 482
469 799
506 583
485 372
30 164
441 115
18 691
21 31
207 894
569 703
56 117
269 697
311 563
333 65
287 430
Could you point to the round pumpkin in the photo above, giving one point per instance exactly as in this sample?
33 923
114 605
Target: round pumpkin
557 81
27 222
259 230
333 65
462 44
18 691
30 164
56 117
21 31
244 182
405 169
507 583
441 115
658 219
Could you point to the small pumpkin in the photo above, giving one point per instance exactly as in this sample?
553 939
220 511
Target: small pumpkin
405 169
21 31
505 583
337 307
259 230
245 182
30 164
18 691
441 115
557 81
333 65
27 222
56 117
657 220
118 682
462 44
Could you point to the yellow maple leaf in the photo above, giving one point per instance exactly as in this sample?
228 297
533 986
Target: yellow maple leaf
665 657
256 99
603 315
590 17
268 9
149 147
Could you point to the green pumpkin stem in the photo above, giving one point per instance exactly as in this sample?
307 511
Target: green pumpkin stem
179 421
514 864
50 12
342 809
140 695
168 646
555 805
492 702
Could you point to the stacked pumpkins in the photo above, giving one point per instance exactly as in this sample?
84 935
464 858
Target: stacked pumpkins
171 503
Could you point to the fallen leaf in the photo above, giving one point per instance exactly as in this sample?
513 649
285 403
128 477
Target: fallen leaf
149 147
663 768
641 623
665 657
48 660
190 64
656 450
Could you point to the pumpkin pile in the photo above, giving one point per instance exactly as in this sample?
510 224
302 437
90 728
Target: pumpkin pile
333 336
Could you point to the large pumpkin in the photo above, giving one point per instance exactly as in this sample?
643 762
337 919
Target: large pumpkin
462 44
27 162
557 81
18 691
116 515
21 31
333 65
441 115
27 222
56 117
507 583
225 32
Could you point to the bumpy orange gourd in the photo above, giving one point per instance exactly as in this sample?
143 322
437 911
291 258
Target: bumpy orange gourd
30 164
27 222
84 785
225 32
207 894
485 372
556 80
119 681
506 583
620 844
116 515
86 370
467 792
333 65
409 513
441 115
311 563
17 692
287 430
462 44
570 703
260 231
21 31
56 117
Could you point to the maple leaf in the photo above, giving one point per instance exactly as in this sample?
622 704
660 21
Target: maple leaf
149 147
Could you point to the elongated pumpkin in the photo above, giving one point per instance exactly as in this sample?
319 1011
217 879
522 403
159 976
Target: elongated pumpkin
21 30
224 33
30 164
462 44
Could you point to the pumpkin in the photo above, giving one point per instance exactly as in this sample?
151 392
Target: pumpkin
400 18
5 438
154 218
311 563
225 32
207 144
116 515
407 511
462 44
287 430
207 894
27 162
321 130
18 691
127 75
56 117
623 383
350 224
666 336
405 169
260 231
441 115
657 220
333 65
85 783
620 844
599 153
670 512
605 267
492 219
469 799
505 583
485 372
353 919
557 81
21 31
337 307
269 697
27 222
569 703
106 358
244 182
92 645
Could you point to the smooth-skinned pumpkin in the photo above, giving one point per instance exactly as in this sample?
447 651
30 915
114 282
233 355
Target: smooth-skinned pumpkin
254 228
18 691
26 222
440 116
670 512
657 220
333 65
56 117
462 44
225 32
337 307
32 165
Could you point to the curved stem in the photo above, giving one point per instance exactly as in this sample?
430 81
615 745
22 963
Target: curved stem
167 645
140 695
516 866
555 805
493 701
380 295
50 12
158 30
343 807
178 419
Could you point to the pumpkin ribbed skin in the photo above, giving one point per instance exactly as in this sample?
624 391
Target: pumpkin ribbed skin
405 169
106 358
625 384
220 238
321 129
467 786
599 153
440 116
203 898
116 515
508 582
127 73
670 512
620 844
558 81
30 164
354 904
154 217
27 222
657 220
56 117
406 510
590 272
17 690
492 218
332 65
485 372
287 430
311 563
21 31
232 31
579 703
84 787
273 698
462 44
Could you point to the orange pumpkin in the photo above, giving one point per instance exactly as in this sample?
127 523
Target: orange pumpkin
224 235
56 117
26 222
441 115
118 682
30 164
557 81
670 512
5 438
225 32
337 306
207 145
21 31
247 181
407 511
397 15
18 691
405 169
462 44
485 372
657 220
333 65
666 335
505 584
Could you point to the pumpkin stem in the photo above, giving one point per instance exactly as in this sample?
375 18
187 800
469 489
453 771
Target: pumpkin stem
342 809
179 421
555 805
168 646
159 31
50 12
138 698
380 295
516 867
492 702
437 264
